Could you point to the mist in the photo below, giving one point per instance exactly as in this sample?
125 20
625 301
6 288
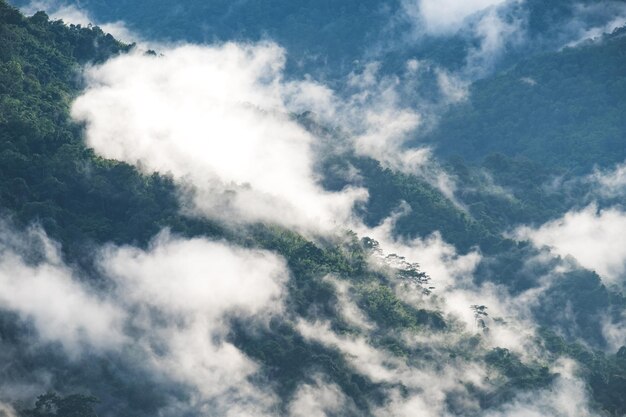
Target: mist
268 286
592 236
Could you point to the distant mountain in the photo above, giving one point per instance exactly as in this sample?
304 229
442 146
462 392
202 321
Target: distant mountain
562 109
330 39
119 300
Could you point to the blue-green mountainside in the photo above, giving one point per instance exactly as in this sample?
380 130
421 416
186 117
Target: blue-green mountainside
544 114
327 37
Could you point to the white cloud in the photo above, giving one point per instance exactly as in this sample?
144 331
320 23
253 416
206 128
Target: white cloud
59 306
166 307
529 81
347 308
488 22
494 32
427 384
452 276
429 387
197 276
614 332
377 365
381 113
193 286
612 14
435 256
446 16
566 398
612 182
71 14
318 399
454 88
215 118
7 411
595 238
373 111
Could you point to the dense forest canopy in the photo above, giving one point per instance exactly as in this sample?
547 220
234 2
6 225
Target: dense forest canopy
516 113
203 229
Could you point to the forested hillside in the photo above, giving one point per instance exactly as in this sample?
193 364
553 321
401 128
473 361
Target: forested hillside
562 110
335 38
121 294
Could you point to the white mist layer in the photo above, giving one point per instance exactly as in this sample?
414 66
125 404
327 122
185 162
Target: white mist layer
195 285
48 295
485 21
612 183
71 14
168 308
214 118
447 16
319 399
568 397
218 119
595 238
452 276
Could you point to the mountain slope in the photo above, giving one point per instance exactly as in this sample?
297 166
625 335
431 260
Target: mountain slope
356 324
331 39
562 110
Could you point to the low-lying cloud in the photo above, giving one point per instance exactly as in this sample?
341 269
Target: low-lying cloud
447 16
567 397
214 118
71 14
173 301
168 307
455 291
46 293
612 183
426 385
321 398
591 21
219 119
491 25
182 293
495 31
594 237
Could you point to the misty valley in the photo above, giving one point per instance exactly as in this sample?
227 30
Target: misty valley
254 208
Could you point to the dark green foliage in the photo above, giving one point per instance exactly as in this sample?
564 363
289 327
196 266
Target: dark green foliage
520 376
319 24
560 109
605 374
51 405
289 359
503 192
389 312
48 176
430 211
511 268
573 305
330 38
579 299
309 264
